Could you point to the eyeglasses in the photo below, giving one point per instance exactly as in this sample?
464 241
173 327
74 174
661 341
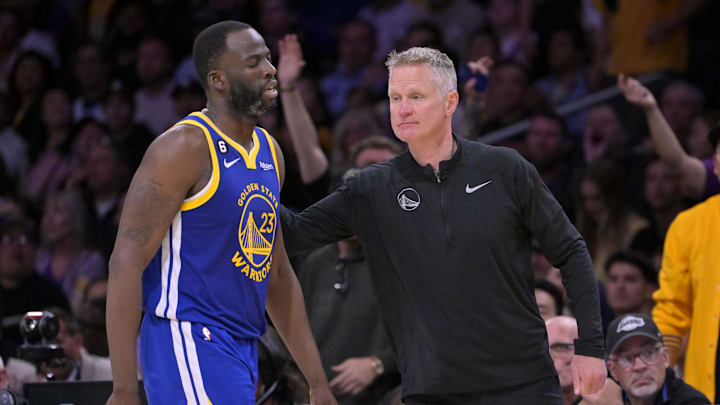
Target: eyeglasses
647 355
562 349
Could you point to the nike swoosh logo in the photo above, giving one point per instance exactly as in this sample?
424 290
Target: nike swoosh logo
230 163
470 190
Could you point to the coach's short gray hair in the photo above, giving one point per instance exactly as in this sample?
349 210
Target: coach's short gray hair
441 66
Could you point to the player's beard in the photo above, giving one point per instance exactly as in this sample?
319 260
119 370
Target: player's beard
247 101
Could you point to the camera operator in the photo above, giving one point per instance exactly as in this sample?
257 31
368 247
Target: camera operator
78 364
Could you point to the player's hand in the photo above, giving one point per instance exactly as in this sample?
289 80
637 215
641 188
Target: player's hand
636 93
589 374
291 62
321 396
124 397
354 375
611 394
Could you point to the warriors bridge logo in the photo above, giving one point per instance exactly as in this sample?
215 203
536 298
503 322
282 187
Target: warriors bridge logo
256 232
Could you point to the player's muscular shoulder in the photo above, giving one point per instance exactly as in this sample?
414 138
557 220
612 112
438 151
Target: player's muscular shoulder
183 153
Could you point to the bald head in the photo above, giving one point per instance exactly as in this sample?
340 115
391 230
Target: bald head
564 327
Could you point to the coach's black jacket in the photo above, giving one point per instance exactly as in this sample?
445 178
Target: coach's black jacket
449 257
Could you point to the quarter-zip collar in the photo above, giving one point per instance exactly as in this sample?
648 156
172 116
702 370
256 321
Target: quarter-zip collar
409 167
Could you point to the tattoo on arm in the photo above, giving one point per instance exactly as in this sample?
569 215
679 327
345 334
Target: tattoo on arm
146 207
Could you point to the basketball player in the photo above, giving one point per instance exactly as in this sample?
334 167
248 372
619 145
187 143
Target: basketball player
199 238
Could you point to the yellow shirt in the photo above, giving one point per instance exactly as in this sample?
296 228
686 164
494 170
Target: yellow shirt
688 300
629 51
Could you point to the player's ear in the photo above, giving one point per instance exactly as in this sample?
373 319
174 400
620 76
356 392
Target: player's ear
217 80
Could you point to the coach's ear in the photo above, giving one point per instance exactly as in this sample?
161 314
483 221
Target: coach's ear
451 102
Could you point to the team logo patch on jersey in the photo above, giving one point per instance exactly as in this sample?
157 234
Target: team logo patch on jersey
409 199
256 232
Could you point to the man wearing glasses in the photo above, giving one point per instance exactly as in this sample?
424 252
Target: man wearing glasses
639 362
562 331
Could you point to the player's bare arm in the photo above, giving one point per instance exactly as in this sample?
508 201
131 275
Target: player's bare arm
174 166
286 306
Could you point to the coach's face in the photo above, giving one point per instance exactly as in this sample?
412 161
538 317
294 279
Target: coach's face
250 74
418 110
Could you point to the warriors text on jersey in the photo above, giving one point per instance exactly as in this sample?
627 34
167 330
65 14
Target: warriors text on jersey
214 263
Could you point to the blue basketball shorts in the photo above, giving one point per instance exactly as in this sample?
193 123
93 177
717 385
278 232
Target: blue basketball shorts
186 363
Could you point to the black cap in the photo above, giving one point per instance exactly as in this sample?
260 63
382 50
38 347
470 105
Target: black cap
627 326
713 136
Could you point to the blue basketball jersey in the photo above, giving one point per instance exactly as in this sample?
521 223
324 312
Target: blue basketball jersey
214 263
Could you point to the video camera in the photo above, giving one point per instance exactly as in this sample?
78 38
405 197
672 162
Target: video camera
39 330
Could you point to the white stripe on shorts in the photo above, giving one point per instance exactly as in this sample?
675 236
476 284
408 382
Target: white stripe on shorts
182 367
194 363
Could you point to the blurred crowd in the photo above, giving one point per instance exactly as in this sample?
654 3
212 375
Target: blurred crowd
86 85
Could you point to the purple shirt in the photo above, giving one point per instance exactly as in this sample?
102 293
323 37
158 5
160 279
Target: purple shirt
712 185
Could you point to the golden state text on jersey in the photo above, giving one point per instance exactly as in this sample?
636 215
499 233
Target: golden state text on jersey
214 263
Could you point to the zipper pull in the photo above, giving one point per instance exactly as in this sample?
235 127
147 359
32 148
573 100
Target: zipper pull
437 176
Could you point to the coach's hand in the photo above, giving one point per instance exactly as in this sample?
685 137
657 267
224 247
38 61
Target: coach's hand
589 374
321 396
124 397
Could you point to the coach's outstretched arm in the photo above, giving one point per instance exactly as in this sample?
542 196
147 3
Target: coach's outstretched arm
286 306
173 165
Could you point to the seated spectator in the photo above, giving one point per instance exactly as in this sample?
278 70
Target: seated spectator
91 71
119 108
22 289
78 365
549 299
154 69
456 17
639 362
64 256
680 103
562 332
52 168
567 80
631 281
510 25
604 216
661 192
547 147
605 136
91 318
697 142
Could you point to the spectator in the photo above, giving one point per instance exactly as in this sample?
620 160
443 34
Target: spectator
91 318
567 80
22 289
547 146
697 142
10 34
696 177
517 42
604 217
91 71
604 136
562 332
642 36
188 98
662 194
352 126
153 67
64 256
639 362
128 23
686 301
14 151
119 109
509 97
29 78
78 365
391 19
457 17
681 103
631 281
549 299
52 168
355 48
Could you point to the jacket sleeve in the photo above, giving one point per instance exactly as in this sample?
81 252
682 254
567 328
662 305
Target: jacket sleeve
673 309
565 248
328 220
